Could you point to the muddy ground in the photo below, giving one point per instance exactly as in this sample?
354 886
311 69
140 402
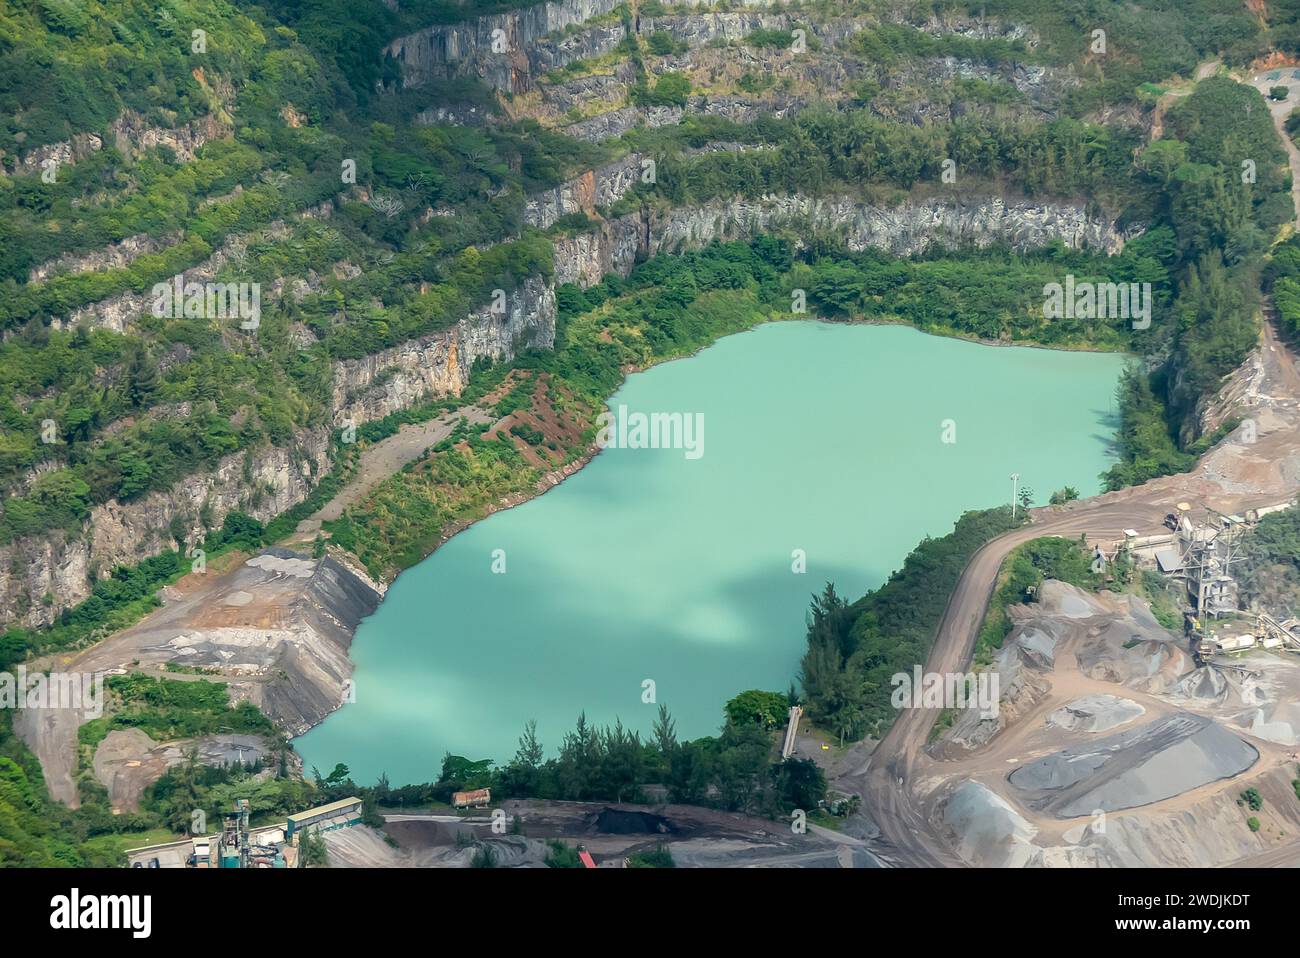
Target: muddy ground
696 837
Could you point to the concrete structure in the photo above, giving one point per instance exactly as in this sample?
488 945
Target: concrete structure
233 849
791 732
1254 515
266 849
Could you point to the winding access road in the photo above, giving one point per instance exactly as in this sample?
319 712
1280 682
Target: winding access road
1230 479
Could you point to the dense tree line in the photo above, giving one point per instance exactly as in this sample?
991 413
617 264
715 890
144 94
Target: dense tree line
821 150
1223 191
1270 569
855 648
740 769
1283 280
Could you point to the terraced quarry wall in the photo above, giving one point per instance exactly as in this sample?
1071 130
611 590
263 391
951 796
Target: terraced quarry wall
513 53
40 576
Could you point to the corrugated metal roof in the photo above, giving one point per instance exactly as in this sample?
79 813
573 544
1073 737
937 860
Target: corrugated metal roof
331 808
477 795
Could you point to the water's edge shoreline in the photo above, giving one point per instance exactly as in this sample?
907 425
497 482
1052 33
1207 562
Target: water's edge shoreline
555 477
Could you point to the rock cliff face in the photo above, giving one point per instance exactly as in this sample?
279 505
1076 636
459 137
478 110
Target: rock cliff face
384 382
902 230
506 50
113 256
116 313
510 51
585 258
129 134
601 187
696 30
1043 87
617 244
259 482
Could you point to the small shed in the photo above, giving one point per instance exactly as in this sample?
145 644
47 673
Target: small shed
472 799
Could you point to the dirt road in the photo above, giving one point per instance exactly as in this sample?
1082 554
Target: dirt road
387 457
886 782
1280 110
1288 856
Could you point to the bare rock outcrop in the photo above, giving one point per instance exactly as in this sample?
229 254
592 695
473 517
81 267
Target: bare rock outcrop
40 576
130 134
902 230
506 50
439 363
600 187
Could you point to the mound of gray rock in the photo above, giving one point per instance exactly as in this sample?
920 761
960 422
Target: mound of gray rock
1095 713
1147 764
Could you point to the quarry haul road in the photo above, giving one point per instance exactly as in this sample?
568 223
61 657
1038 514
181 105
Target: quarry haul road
888 779
907 836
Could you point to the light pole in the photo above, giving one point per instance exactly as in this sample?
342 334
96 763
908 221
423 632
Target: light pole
1015 488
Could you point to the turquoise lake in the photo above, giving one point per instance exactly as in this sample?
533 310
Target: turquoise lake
649 565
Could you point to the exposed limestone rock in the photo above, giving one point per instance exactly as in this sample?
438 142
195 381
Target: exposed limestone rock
601 187
606 126
560 50
261 482
510 51
582 93
439 363
618 244
1042 87
114 256
585 258
64 153
697 30
973 28
131 135
521 50
902 231
464 114
118 312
